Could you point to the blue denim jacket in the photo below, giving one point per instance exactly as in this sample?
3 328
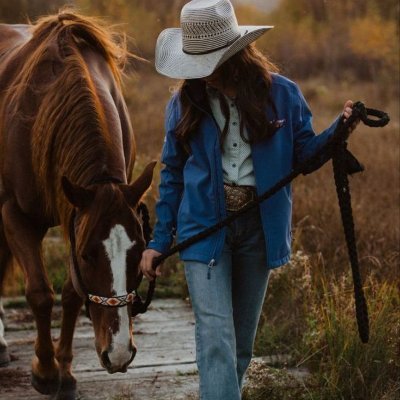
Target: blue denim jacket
191 187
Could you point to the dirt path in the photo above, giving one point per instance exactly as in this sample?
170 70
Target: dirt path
164 367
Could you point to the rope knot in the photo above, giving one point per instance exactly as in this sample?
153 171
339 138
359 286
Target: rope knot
362 112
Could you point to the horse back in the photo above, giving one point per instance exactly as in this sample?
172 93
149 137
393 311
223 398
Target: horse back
12 35
12 38
16 179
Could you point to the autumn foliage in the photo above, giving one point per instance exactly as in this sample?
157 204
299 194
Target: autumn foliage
356 39
336 50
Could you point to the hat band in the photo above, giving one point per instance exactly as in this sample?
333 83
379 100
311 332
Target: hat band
212 50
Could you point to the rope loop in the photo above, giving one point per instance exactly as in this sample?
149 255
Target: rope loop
362 112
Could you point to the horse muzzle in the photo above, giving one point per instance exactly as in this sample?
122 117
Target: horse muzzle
117 360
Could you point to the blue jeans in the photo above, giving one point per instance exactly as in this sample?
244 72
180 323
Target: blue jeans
227 300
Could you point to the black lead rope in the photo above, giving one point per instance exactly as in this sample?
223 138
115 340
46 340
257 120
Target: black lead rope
343 193
344 163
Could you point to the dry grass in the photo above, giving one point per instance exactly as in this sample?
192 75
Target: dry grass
314 321
310 314
309 311
375 192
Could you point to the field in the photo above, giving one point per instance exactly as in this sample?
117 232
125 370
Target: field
309 311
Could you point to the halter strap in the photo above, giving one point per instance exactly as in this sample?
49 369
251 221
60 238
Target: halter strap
117 301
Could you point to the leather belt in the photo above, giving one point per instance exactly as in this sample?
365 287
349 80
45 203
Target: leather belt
237 196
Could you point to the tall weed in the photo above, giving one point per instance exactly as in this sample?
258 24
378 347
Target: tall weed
315 322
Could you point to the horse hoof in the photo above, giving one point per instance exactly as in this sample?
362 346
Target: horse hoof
66 391
4 357
66 395
45 386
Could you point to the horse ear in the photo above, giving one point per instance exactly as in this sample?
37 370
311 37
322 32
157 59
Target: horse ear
76 195
135 191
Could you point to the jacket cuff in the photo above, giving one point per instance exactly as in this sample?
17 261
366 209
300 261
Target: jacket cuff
161 247
335 124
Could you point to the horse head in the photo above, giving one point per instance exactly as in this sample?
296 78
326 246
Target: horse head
106 247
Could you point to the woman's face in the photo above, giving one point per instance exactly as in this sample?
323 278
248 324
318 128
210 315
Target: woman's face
214 80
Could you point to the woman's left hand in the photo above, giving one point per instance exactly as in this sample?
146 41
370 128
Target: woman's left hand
347 111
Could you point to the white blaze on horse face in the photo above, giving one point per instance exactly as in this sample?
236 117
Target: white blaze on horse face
3 342
117 246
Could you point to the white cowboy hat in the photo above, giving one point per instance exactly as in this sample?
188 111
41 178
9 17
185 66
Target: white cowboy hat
208 36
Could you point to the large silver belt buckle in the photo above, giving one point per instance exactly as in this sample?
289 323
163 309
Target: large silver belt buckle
236 197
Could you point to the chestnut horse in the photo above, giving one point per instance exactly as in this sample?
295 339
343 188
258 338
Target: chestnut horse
67 154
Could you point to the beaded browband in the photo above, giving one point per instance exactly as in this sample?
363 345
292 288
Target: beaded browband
117 301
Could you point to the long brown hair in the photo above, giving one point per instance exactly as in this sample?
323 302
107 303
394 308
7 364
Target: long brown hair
249 72
69 135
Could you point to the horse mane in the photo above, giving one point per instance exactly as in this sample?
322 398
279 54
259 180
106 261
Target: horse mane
69 132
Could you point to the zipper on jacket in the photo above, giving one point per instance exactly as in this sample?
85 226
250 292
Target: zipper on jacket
217 162
211 265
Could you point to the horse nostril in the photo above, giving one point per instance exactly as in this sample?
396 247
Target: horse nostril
105 359
132 349
133 353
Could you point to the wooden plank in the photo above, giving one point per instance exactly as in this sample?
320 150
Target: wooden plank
164 367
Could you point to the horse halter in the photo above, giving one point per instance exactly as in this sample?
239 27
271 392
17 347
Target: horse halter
79 285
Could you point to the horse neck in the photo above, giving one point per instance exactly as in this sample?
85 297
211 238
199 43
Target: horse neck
75 134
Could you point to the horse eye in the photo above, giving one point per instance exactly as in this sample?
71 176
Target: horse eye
88 258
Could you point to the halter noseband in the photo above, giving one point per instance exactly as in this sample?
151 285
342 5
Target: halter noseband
79 285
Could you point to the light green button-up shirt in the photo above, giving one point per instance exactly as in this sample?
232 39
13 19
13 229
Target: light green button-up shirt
237 164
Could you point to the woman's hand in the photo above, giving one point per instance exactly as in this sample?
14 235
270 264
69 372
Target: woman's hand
146 264
347 111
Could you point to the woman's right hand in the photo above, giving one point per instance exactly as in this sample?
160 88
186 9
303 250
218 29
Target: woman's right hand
146 264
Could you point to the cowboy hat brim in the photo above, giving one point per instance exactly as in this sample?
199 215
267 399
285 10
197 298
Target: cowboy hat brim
172 61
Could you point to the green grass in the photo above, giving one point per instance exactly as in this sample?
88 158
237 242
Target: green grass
315 323
347 368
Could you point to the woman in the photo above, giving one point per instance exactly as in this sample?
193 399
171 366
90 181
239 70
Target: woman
233 129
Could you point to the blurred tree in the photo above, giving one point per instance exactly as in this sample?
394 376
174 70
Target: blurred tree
335 38
143 20
311 37
371 39
19 11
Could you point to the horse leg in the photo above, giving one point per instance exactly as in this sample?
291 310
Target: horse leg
4 354
25 241
5 257
71 304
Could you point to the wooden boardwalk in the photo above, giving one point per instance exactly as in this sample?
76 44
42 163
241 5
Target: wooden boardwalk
164 367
